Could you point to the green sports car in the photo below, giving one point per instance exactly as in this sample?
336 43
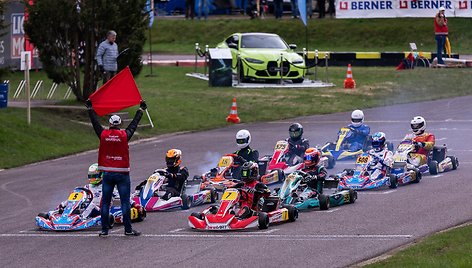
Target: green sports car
261 57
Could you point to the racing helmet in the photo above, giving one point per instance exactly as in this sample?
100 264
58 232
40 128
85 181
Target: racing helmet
115 120
378 141
243 138
418 125
357 118
95 176
173 158
312 157
249 171
295 131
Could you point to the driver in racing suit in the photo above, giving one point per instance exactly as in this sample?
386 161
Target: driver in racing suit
254 189
176 175
381 156
423 141
244 152
297 144
360 131
316 173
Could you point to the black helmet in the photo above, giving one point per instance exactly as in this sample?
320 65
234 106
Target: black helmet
295 131
249 171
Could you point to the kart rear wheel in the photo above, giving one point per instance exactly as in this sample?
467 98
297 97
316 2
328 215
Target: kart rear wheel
263 220
214 196
292 213
455 162
111 221
141 216
324 202
186 202
198 215
393 181
352 196
331 162
44 215
433 167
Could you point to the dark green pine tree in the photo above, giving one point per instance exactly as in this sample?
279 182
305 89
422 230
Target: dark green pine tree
67 33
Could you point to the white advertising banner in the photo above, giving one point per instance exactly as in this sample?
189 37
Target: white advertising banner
401 8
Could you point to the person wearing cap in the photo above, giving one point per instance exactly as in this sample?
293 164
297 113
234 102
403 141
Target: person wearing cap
113 160
107 54
440 32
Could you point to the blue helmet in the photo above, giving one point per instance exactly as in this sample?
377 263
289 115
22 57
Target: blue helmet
378 141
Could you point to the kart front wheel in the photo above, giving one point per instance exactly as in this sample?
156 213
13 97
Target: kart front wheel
198 215
324 202
455 162
433 167
393 182
213 196
44 215
141 216
292 213
418 176
352 196
263 220
186 202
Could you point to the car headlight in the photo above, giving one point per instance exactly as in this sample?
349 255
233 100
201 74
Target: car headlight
297 61
251 60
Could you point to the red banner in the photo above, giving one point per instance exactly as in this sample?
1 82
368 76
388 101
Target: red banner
118 93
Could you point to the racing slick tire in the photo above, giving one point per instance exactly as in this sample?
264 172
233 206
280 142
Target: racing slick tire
186 202
331 162
213 196
111 220
263 221
44 215
141 216
298 80
198 215
393 181
433 167
352 196
292 212
324 202
418 176
455 162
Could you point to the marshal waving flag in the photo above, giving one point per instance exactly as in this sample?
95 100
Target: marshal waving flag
118 93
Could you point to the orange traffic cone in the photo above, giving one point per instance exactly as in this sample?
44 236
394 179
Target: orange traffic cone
233 113
349 82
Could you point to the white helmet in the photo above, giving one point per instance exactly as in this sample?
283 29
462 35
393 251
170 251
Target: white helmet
418 125
115 120
357 118
243 138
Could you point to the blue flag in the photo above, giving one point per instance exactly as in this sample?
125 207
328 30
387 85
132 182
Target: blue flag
302 10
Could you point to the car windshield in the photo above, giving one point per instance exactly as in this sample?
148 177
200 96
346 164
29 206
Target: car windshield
262 41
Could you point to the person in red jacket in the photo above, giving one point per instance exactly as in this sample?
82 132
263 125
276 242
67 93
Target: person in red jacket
440 32
113 160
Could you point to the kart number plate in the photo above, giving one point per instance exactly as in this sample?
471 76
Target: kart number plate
75 197
224 162
280 146
134 213
285 215
218 227
230 195
362 160
343 131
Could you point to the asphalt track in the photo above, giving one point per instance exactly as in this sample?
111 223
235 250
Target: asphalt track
377 222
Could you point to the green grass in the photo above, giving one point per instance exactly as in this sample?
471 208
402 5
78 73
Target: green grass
448 249
179 103
327 34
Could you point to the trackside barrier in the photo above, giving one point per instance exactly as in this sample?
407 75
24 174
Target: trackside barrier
68 93
36 89
18 90
52 90
201 54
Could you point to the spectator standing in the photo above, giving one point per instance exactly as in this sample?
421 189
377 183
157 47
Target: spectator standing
332 8
113 160
321 8
309 8
107 55
203 6
189 9
294 4
278 8
440 32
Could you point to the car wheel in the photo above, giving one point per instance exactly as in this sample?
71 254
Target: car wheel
433 167
214 196
455 162
298 80
263 220
186 202
331 162
393 181
198 215
352 196
292 213
324 202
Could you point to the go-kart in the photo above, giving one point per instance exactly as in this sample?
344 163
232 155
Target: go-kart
366 175
296 192
437 162
340 149
79 213
274 168
149 194
222 176
224 216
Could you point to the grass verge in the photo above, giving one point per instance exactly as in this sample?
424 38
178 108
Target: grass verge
179 103
445 249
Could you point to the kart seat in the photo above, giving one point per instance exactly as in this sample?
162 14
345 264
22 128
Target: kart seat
439 153
270 203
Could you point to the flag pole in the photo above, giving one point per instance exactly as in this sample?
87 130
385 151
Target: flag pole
149 117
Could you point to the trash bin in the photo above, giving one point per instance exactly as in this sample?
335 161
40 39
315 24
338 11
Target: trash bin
220 69
3 95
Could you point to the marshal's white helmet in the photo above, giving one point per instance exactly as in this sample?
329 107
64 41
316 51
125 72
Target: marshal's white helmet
357 118
115 120
418 125
243 138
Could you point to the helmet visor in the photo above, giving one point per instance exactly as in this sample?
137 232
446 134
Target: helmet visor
416 127
242 141
377 143
308 158
295 133
356 120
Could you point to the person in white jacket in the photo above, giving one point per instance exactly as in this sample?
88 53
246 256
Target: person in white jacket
381 157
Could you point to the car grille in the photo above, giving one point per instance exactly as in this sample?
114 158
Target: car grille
273 68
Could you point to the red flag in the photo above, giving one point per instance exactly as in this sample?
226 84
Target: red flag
118 93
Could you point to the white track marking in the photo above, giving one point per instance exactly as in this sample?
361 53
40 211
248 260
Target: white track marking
434 176
330 210
377 193
230 235
176 230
